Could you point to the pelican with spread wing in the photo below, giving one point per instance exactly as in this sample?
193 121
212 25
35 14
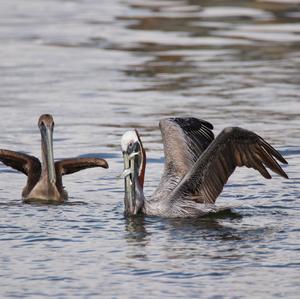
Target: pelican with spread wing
197 166
44 180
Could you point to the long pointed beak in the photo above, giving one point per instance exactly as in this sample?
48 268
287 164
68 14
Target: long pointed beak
47 136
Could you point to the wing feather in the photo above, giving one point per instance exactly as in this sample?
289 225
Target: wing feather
233 147
29 165
20 161
184 139
68 166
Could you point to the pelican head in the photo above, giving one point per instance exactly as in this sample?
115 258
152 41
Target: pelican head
134 170
46 125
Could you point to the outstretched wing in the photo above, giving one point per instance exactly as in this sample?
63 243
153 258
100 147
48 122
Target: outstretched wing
184 139
233 147
24 163
68 166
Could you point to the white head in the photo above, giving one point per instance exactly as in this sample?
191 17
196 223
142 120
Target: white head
128 138
134 171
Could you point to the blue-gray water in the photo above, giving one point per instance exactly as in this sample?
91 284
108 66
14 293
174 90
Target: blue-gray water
102 67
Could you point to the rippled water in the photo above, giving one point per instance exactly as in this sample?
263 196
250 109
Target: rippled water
101 67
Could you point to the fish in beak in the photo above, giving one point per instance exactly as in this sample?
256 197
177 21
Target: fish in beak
132 150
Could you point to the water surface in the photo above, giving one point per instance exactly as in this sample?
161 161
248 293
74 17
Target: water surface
102 67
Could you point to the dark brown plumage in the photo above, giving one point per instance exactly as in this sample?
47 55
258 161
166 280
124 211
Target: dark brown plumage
233 147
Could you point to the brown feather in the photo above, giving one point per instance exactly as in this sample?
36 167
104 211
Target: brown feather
233 147
68 166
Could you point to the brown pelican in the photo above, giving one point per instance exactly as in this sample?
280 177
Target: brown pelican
44 181
197 166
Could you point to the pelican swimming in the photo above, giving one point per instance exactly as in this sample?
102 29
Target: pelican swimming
197 166
44 180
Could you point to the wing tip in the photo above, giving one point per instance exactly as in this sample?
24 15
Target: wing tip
285 175
283 161
102 163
